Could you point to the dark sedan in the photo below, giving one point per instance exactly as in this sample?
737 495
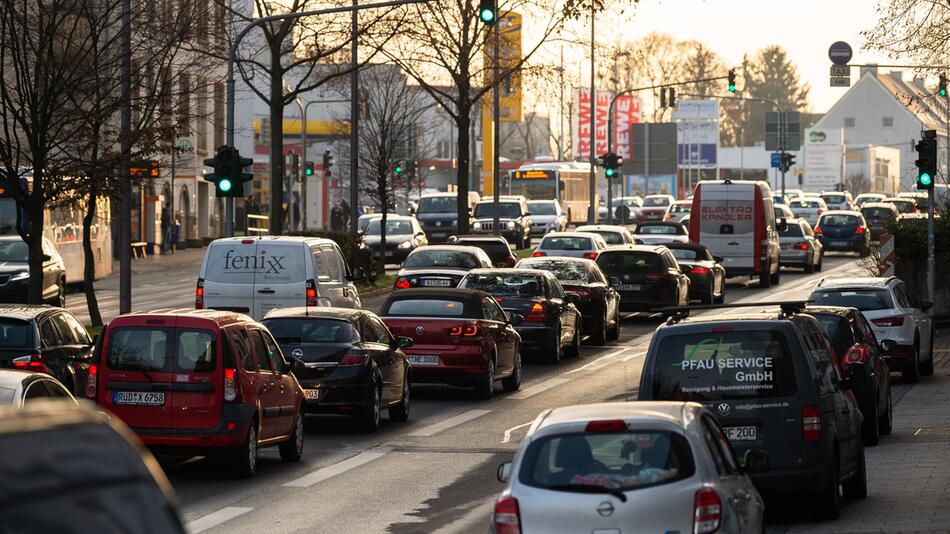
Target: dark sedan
460 337
18 388
646 277
707 277
440 266
496 246
347 362
45 339
861 361
844 231
552 321
403 235
598 303
15 272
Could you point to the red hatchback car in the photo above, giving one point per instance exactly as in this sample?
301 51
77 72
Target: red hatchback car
201 382
460 337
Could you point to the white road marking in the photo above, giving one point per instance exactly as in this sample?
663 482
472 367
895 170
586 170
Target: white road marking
320 475
446 424
537 388
508 432
632 356
600 362
212 520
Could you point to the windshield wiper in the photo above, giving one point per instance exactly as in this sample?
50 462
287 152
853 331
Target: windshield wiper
590 488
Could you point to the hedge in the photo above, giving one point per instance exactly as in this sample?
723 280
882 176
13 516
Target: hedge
355 256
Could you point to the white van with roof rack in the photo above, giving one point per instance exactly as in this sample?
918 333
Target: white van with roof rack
254 275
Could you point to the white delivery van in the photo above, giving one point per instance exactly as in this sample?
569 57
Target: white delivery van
254 275
735 220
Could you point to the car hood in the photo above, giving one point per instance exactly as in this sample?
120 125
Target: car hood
9 267
374 239
437 216
544 218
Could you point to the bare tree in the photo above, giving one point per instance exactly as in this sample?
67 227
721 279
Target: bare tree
915 29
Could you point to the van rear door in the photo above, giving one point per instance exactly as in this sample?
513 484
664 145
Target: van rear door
136 375
228 271
199 377
280 277
725 223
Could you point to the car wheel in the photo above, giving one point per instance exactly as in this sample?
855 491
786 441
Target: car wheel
765 277
513 382
722 293
486 386
368 418
400 412
61 293
613 334
554 351
244 458
828 500
821 261
575 349
911 371
776 278
810 265
292 449
927 366
870 428
708 299
599 333
886 422
857 486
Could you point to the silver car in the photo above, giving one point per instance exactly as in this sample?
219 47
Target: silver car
546 216
627 467
799 247
571 244
612 234
808 208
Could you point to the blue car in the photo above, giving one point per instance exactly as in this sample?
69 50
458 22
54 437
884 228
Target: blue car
844 231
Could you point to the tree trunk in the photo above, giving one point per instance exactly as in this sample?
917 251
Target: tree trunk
89 257
382 236
276 147
464 122
35 244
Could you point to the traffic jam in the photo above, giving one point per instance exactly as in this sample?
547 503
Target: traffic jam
739 403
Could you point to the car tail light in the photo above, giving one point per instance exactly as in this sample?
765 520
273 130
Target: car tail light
856 354
464 330
538 254
707 511
818 230
510 261
247 241
658 277
590 255
582 293
610 425
507 517
820 211
402 283
801 245
92 381
200 295
897 320
312 293
699 270
353 358
811 424
537 313
31 362
230 390
860 230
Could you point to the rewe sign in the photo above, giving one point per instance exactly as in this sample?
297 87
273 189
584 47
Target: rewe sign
626 111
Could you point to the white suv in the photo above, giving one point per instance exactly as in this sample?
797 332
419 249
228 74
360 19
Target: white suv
898 318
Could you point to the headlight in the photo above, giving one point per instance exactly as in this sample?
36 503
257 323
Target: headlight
405 244
363 245
511 225
455 222
21 275
476 226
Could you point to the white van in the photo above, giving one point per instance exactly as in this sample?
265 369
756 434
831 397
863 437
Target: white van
254 275
735 220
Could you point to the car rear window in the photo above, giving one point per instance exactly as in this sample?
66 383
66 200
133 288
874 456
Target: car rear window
621 461
629 261
437 205
727 365
656 201
441 258
425 308
833 199
496 250
15 333
611 238
687 254
877 213
838 330
903 206
505 285
660 229
680 208
311 330
807 204
562 270
162 349
840 220
862 299
542 208
565 243
265 263
792 230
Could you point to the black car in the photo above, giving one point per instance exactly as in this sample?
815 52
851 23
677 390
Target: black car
19 388
646 277
707 277
45 339
15 272
860 358
403 235
347 362
513 217
771 380
439 266
878 214
598 302
496 246
551 322
844 231
438 215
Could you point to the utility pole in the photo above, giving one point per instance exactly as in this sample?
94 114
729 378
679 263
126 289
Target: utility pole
496 111
560 109
592 208
354 125
125 178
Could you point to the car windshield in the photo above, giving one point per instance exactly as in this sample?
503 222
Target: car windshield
877 213
840 220
392 227
688 254
838 330
834 198
16 334
505 284
419 307
565 243
297 330
656 201
903 206
455 259
807 204
606 461
792 230
542 208
660 229
617 262
437 205
497 251
611 238
14 250
161 349
506 210
707 366
624 201
862 299
562 270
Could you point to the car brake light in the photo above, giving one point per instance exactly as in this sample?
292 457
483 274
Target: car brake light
699 270
510 261
802 245
312 293
820 211
200 295
707 511
860 230
590 255
353 358
537 313
818 230
657 277
897 320
610 425
230 391
811 424
464 330
91 381
507 517
402 283
538 254
31 362
247 241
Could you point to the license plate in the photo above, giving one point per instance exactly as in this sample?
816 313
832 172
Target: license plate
839 243
628 287
138 398
311 394
438 234
741 433
423 360
437 283
786 247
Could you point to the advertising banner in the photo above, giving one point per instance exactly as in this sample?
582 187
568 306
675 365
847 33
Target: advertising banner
824 150
697 129
626 113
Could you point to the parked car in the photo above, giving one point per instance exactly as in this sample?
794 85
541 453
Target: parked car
677 210
15 272
800 247
253 275
403 235
861 199
513 216
838 200
771 381
546 216
200 381
598 302
919 198
552 323
44 339
621 207
860 359
654 208
647 277
440 266
22 388
707 277
808 208
630 466
571 244
656 233
895 314
76 470
844 231
459 336
437 214
903 205
792 194
497 248
877 215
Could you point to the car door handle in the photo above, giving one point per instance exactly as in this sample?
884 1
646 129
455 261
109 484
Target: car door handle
268 385
266 291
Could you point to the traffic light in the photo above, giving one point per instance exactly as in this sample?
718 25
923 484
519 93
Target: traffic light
942 85
672 97
228 176
487 12
662 97
787 161
398 168
732 80
327 162
308 169
611 163
926 160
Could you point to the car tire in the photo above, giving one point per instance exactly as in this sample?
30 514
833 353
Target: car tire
776 278
243 459
400 412
821 261
765 277
927 366
828 500
857 486
485 387
613 333
367 420
553 354
886 422
911 371
61 293
513 381
599 334
870 428
574 350
810 265
292 449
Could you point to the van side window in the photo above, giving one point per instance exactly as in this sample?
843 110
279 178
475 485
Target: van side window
332 260
260 350
242 349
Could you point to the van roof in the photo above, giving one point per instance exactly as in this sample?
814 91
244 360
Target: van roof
219 317
274 238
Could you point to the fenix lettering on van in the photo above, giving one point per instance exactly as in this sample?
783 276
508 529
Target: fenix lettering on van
264 263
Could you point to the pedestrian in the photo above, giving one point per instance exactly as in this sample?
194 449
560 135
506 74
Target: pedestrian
166 226
336 218
345 208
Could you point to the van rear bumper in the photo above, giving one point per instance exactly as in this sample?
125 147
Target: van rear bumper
169 440
791 482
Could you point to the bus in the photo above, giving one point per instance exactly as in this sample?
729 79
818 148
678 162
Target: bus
566 181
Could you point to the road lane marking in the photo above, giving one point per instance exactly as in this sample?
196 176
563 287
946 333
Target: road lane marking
320 475
459 419
600 362
212 520
508 432
537 388
632 356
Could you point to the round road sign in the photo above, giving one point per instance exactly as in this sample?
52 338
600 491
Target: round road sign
840 53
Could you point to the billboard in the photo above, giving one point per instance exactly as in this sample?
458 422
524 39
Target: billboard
697 133
626 114
824 153
583 109
662 184
509 53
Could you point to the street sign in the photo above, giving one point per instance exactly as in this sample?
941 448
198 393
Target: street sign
184 144
840 70
840 53
783 132
776 159
840 81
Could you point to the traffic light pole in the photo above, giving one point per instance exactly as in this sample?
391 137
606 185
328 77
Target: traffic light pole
592 208
496 112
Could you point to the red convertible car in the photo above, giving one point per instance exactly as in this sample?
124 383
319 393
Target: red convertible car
460 337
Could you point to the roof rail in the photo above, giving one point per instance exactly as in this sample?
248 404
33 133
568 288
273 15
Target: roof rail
678 313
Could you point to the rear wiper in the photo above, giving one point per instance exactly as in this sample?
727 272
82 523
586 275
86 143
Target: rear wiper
591 488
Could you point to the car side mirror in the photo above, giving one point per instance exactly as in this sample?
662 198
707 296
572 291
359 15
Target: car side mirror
504 472
926 305
718 259
404 342
515 319
357 274
46 257
887 345
755 461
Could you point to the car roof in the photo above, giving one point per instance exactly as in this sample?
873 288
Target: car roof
685 246
868 282
658 223
636 248
272 238
645 411
314 312
12 378
564 259
469 237
856 213
748 319
219 317
510 270
438 292
439 194
664 195
457 248
871 195
25 312
589 235
830 310
877 205
601 228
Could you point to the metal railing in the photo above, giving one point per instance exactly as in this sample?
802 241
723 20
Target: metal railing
258 224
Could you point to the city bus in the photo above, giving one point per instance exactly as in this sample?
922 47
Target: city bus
566 181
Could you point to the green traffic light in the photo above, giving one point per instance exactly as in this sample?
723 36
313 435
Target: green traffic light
609 172
398 169
732 88
487 15
943 91
224 185
925 179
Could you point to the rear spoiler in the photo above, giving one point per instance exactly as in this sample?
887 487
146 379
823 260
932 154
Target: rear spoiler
677 313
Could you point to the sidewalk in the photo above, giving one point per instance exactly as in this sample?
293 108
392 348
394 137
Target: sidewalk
164 262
